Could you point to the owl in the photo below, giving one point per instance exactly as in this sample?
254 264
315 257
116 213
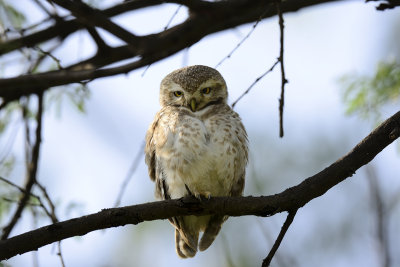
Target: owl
196 145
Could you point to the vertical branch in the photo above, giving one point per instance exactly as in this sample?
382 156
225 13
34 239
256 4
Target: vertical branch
289 219
54 219
31 175
284 81
381 216
130 173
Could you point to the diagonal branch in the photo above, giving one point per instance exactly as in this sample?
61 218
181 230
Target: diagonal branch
93 17
291 199
289 219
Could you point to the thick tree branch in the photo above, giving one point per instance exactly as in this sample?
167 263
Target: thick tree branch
205 18
93 17
288 200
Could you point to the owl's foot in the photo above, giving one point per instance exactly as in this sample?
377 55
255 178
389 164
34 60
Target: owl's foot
199 195
203 195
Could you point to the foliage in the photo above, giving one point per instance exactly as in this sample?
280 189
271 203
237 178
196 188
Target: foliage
10 16
75 95
366 96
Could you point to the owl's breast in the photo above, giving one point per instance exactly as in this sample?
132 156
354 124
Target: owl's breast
202 154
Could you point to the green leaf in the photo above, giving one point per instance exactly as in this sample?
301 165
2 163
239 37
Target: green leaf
10 16
366 96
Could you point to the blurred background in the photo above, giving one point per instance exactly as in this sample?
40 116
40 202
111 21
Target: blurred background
91 142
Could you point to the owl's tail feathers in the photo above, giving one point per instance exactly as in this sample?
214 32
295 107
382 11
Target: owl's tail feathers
211 231
186 246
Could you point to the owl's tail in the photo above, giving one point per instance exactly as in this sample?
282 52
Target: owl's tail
186 246
211 232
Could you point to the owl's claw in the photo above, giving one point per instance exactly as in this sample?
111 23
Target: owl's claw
203 195
198 195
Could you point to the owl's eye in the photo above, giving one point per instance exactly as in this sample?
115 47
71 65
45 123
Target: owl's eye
206 90
178 93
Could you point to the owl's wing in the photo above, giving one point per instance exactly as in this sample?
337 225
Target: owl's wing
150 155
154 168
185 238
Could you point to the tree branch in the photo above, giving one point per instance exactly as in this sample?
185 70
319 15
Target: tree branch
283 80
289 219
93 17
288 200
205 18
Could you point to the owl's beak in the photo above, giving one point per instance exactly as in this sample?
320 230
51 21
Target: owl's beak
193 104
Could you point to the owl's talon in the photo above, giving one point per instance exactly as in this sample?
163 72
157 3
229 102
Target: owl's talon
204 195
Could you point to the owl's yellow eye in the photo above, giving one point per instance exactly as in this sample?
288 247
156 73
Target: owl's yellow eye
206 90
178 93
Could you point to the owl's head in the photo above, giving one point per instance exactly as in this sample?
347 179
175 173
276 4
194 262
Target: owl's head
194 87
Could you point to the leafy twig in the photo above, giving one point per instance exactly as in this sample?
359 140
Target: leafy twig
22 190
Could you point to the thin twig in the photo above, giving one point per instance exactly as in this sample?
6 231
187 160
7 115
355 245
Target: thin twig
172 18
165 28
32 171
254 83
281 261
145 70
242 41
129 175
60 255
22 190
49 55
12 184
284 81
52 216
381 216
289 219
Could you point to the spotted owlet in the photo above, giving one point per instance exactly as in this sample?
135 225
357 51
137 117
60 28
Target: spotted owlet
197 146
